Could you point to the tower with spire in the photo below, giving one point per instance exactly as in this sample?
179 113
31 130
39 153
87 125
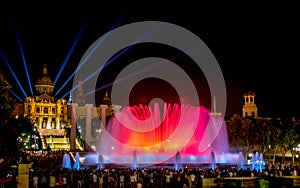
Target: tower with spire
106 100
214 111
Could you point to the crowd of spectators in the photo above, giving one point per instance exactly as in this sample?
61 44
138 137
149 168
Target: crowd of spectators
47 171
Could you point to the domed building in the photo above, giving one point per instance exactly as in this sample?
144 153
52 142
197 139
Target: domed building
48 115
64 124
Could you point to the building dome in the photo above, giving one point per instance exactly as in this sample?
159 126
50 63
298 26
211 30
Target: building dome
44 84
44 78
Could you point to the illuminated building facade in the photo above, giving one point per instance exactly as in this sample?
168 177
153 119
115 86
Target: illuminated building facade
85 118
48 115
249 108
60 123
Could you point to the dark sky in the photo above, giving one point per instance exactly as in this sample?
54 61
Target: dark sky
256 46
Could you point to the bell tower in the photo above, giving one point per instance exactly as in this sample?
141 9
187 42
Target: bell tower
249 108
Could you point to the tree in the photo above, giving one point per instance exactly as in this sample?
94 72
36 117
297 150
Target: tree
263 132
6 107
242 134
287 137
6 101
275 137
21 128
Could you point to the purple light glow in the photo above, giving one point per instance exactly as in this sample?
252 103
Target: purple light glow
143 136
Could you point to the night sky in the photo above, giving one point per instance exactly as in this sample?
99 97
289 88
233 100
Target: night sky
257 48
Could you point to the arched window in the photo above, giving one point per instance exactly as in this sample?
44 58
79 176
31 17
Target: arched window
246 113
62 110
37 110
46 110
253 114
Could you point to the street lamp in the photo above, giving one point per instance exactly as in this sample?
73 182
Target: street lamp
297 150
269 153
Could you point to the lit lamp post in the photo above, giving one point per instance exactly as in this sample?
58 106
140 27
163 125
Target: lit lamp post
296 150
250 155
35 138
269 154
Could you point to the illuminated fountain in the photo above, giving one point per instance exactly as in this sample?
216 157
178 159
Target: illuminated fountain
135 165
213 160
179 135
177 164
66 161
258 162
76 164
241 160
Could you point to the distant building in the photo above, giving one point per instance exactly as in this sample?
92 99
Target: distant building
84 117
48 115
53 117
249 108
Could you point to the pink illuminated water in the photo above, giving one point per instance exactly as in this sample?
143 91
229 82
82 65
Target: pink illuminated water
144 135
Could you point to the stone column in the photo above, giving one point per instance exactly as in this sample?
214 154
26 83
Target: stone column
41 123
88 124
103 114
73 126
49 124
58 126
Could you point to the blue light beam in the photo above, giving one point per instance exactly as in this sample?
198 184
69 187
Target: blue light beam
15 95
23 58
98 70
92 51
70 52
155 65
12 72
113 58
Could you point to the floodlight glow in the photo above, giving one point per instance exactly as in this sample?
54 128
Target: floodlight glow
15 95
12 72
23 58
155 65
70 52
88 56
108 63
120 80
